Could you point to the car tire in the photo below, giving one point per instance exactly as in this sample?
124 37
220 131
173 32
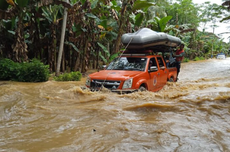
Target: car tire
171 79
142 88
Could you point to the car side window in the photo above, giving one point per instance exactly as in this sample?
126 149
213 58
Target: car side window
152 62
160 61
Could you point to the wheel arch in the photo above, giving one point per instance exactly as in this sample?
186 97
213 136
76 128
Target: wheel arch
172 75
141 83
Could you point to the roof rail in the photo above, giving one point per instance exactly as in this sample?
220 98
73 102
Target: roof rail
135 54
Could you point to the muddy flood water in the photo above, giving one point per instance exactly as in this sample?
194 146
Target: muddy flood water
191 115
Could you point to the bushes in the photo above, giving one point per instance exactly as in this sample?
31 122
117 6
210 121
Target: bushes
186 60
34 71
8 69
72 76
199 58
202 58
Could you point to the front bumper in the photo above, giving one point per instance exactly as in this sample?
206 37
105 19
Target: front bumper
119 91
111 85
124 91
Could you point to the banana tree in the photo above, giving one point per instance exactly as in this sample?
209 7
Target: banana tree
129 7
82 33
19 47
107 28
51 14
160 24
226 6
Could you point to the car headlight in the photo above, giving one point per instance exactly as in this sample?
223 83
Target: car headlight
88 81
128 84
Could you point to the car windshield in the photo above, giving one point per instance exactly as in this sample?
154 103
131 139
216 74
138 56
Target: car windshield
128 63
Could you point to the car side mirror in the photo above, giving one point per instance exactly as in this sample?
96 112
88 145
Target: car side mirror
153 69
102 67
163 67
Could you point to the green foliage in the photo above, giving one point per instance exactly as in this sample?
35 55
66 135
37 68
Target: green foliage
160 24
51 13
72 45
140 4
94 4
139 18
183 12
196 59
186 60
112 57
105 50
102 57
101 24
202 58
34 71
8 69
22 3
210 13
139 12
72 76
199 58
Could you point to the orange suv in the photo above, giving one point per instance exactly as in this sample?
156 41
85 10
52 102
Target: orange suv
137 68
132 72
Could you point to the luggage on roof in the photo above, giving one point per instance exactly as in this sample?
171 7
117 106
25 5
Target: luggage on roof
146 38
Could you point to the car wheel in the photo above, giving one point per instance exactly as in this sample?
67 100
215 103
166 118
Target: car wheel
171 79
142 88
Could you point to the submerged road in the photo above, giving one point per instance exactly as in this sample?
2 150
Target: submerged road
190 115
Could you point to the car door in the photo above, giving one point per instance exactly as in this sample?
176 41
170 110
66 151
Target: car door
162 72
153 81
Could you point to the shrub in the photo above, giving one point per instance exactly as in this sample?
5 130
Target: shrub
199 58
196 59
186 60
202 58
76 76
8 69
72 76
34 71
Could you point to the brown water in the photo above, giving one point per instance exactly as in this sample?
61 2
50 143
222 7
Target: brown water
191 115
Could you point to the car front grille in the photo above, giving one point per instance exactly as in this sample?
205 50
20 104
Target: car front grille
106 83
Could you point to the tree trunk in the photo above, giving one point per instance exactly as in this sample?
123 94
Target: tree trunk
20 47
77 64
121 25
62 41
84 57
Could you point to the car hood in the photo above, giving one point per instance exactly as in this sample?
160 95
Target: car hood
114 75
